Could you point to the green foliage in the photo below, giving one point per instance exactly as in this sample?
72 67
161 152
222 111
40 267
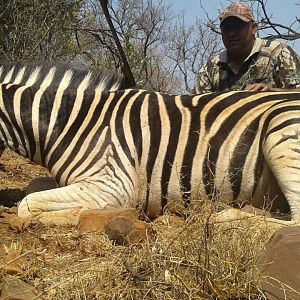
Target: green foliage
33 29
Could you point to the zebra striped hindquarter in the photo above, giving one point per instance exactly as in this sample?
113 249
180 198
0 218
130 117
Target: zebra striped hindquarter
125 148
230 145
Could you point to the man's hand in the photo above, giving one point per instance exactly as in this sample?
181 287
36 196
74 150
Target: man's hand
256 87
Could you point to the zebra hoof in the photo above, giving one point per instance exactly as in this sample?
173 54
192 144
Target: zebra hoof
125 231
41 184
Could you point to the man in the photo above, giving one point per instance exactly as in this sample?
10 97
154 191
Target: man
248 62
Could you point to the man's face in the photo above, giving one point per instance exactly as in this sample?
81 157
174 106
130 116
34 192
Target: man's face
237 35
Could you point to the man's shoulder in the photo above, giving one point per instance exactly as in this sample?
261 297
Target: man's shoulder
274 49
269 46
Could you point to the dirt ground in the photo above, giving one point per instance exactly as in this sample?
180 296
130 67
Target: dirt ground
15 174
185 260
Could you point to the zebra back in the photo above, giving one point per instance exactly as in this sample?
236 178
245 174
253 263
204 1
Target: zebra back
51 75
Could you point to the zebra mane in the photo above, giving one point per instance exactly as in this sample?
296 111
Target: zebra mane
52 75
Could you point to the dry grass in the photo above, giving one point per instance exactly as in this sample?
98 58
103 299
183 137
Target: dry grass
195 259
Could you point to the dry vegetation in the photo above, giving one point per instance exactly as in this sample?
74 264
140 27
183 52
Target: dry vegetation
179 260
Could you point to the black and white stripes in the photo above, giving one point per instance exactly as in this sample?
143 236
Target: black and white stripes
123 148
43 76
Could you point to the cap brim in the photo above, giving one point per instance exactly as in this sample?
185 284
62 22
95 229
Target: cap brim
245 19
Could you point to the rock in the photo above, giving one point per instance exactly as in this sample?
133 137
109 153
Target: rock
16 289
96 219
279 265
124 231
41 184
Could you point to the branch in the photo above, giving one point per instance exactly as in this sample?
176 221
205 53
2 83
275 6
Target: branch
267 17
266 23
130 82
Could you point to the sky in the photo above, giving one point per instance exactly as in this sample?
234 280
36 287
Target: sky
283 11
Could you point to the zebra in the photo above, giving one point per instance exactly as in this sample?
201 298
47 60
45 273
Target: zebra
112 147
36 74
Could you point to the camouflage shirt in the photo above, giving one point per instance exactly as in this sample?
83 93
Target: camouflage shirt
269 62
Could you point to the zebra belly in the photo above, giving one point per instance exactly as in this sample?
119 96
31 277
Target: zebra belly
268 194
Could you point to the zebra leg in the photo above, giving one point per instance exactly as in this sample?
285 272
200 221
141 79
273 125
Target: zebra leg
282 153
63 205
235 214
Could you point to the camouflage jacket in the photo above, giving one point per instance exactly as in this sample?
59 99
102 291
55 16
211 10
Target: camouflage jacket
269 62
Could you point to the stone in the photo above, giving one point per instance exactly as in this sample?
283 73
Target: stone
96 219
125 231
15 289
279 265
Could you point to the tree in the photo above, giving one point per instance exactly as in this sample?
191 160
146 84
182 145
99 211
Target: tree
39 30
142 27
189 48
266 24
163 51
275 30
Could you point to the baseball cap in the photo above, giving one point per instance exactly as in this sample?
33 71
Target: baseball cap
239 10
